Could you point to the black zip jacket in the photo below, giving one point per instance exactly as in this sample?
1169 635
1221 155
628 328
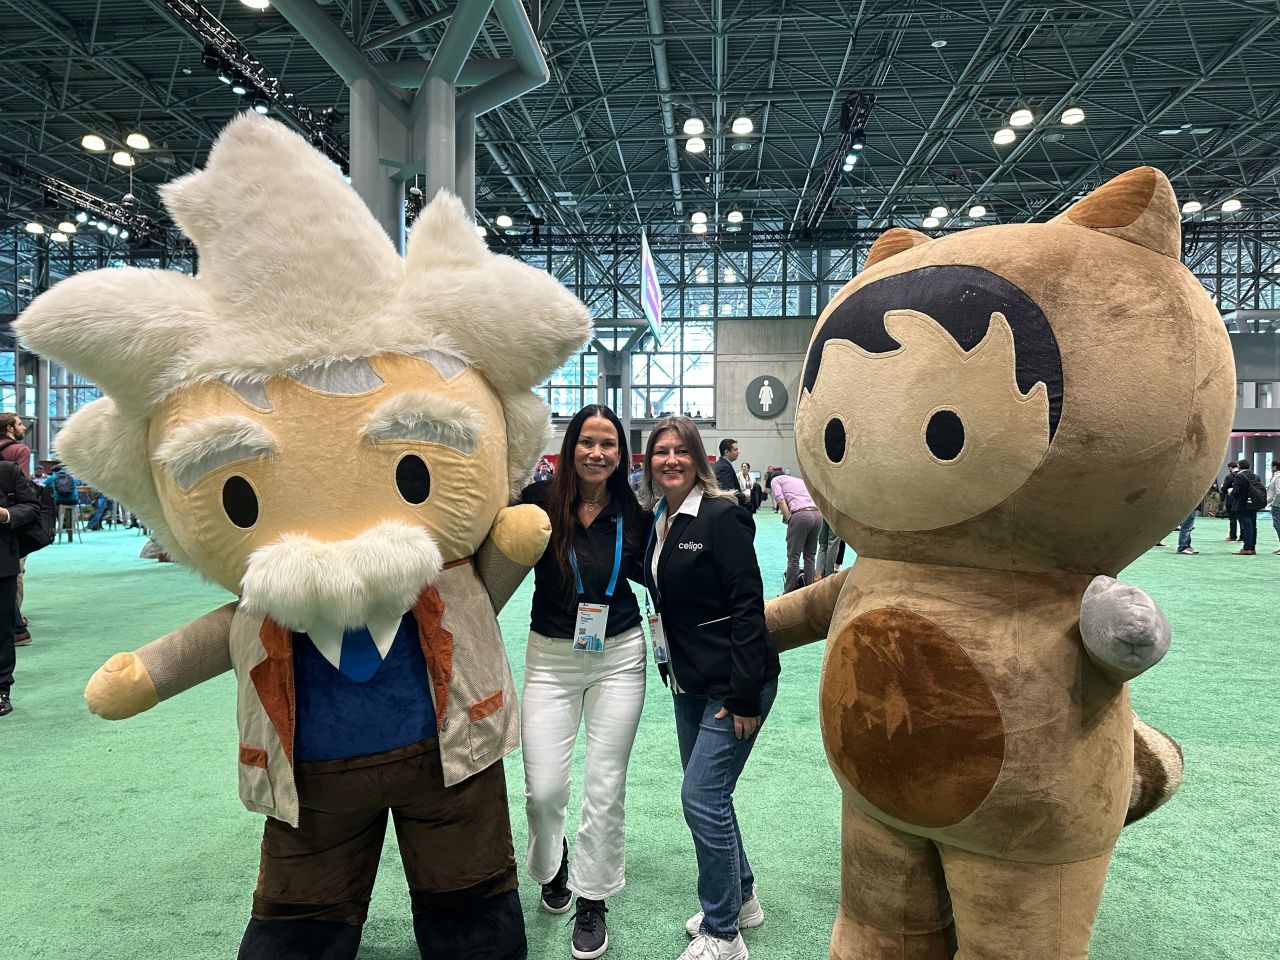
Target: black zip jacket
711 599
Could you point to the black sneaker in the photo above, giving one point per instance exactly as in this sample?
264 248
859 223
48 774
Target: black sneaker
556 895
590 939
6 707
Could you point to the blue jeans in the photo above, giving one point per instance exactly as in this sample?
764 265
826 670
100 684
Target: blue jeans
1275 520
1249 529
713 758
1184 532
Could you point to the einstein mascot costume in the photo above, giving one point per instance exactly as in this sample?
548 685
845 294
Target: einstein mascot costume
1047 401
333 433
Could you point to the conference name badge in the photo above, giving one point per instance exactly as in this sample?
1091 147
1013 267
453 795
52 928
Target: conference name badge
593 621
658 638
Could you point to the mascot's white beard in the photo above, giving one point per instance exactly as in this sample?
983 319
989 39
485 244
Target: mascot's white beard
301 582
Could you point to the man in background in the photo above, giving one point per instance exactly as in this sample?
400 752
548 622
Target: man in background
803 521
66 501
1229 501
726 473
19 506
12 433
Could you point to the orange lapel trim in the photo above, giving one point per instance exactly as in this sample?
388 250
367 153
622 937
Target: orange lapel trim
273 679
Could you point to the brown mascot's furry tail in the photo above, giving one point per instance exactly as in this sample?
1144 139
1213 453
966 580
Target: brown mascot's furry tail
1157 770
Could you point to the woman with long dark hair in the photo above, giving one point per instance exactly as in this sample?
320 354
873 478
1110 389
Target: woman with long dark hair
585 662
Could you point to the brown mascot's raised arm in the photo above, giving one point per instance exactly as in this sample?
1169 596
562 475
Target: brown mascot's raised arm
973 696
333 432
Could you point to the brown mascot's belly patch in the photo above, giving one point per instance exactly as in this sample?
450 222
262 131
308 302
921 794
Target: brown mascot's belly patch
909 720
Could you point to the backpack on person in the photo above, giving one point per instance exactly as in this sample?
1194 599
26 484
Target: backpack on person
1256 497
64 484
37 534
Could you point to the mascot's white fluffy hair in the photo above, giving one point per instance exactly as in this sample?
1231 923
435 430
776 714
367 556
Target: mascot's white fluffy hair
294 273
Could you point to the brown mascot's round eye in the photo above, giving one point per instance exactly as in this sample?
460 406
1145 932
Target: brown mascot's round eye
239 502
944 435
833 439
413 479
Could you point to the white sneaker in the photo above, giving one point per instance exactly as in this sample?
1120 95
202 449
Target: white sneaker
751 915
707 947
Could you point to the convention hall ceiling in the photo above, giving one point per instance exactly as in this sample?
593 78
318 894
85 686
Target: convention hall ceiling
1186 85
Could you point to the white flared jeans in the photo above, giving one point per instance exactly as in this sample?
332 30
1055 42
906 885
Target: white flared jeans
562 687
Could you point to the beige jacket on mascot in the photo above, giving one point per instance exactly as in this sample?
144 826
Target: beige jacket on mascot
333 433
974 705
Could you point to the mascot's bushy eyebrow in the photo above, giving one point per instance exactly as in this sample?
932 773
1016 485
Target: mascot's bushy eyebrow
961 299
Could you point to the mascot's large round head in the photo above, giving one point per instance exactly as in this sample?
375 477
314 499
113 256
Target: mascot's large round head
1048 396
311 419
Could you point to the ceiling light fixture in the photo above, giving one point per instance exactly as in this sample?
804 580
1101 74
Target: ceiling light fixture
939 211
101 225
699 228
1021 118
481 231
693 127
239 87
1072 115
124 234
113 230
977 211
224 74
698 217
58 237
850 159
260 105
122 158
35 228
138 141
938 44
695 145
91 141
66 226
504 220
858 140
1192 206
81 217
1003 136
742 126
1231 206
256 4
929 222
735 216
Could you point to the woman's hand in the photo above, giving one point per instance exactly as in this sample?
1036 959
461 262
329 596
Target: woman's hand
743 727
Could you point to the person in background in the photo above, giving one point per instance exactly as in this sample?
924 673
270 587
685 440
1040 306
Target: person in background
803 521
830 551
18 507
1229 501
726 475
1247 513
701 571
1184 536
637 474
1273 497
583 672
543 471
13 431
66 501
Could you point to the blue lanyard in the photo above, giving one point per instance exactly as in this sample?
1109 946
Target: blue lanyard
648 570
617 563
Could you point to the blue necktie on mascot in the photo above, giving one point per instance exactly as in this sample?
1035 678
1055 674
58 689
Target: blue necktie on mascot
307 353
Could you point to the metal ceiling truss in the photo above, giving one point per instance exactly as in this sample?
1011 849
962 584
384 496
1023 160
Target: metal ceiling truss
1184 85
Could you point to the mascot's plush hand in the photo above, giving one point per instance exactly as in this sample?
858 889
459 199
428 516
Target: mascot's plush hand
121 688
522 533
1124 631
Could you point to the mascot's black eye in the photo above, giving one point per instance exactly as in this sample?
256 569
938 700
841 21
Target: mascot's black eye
413 479
239 502
945 435
834 440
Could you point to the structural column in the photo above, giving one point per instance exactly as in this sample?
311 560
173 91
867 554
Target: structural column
383 195
42 409
436 136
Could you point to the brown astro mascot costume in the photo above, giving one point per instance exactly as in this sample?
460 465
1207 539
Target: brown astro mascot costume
1048 400
333 433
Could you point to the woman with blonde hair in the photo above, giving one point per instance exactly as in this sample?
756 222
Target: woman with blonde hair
701 571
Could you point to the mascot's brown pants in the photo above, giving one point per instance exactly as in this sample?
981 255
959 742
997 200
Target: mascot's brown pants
315 881
904 897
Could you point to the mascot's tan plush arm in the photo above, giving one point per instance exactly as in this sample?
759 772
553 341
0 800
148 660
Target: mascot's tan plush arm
1125 633
130 683
804 615
515 543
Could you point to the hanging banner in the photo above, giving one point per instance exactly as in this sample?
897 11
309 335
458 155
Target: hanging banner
650 292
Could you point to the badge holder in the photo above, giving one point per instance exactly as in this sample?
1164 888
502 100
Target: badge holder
593 618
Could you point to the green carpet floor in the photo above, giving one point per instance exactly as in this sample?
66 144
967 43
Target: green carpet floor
124 840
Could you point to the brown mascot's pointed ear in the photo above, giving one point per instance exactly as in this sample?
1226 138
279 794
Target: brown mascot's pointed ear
1138 206
892 242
